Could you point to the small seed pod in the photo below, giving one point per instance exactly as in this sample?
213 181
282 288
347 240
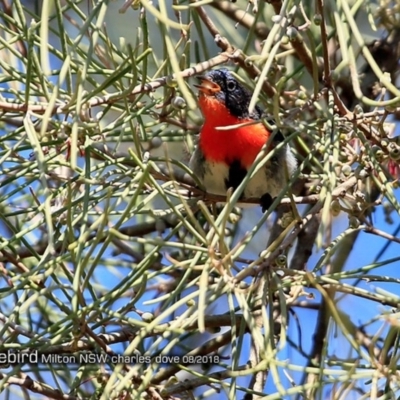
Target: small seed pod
363 174
335 208
155 142
293 33
354 222
178 103
147 317
378 153
334 76
301 95
285 39
234 218
299 103
394 151
346 170
281 260
136 5
317 19
385 142
171 81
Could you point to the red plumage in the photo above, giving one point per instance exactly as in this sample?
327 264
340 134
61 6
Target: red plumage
240 143
223 156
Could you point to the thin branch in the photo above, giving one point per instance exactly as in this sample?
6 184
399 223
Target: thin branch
242 17
36 387
324 42
113 97
303 52
212 345
190 384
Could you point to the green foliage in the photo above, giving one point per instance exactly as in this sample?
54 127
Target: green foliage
108 247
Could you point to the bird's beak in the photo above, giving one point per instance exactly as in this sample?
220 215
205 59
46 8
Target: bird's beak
207 86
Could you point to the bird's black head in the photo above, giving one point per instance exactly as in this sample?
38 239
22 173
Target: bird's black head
221 84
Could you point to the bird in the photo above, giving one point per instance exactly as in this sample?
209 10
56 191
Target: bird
222 157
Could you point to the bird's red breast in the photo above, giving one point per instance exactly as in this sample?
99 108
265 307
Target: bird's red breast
223 156
226 145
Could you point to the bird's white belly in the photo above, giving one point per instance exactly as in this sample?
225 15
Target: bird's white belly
215 176
258 185
269 179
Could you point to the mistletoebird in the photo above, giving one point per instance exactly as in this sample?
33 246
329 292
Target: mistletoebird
223 156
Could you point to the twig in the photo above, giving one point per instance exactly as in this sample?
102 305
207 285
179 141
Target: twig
36 387
378 232
8 10
324 41
288 240
19 329
212 345
303 52
113 97
243 18
236 55
126 334
207 20
190 384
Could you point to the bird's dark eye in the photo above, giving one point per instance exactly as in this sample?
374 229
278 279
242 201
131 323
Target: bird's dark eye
231 85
